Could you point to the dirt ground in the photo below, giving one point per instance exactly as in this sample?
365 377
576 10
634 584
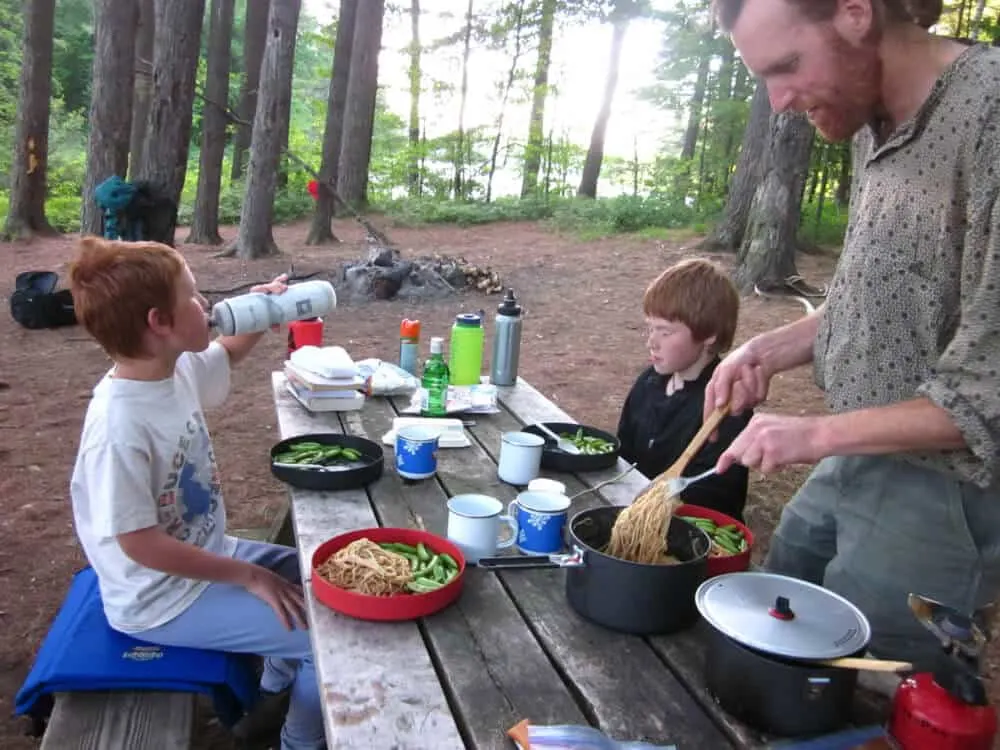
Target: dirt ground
582 347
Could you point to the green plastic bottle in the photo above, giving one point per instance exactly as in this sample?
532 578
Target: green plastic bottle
466 356
434 382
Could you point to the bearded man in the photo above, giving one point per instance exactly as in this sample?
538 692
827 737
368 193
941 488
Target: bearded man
905 496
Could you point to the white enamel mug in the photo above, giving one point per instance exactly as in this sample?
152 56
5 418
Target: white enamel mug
520 457
474 524
543 484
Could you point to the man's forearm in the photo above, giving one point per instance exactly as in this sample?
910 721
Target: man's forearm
915 425
154 548
239 346
789 346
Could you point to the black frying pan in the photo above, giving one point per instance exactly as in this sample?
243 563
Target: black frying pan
334 475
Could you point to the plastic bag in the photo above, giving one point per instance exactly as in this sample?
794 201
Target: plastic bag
461 399
386 379
529 736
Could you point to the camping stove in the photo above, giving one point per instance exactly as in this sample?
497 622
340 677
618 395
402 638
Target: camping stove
945 709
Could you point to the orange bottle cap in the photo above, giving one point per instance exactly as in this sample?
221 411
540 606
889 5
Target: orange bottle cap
409 328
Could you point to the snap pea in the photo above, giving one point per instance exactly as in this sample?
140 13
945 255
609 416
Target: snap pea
726 537
431 570
588 444
310 452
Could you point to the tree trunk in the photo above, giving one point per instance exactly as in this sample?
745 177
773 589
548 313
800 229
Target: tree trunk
977 20
274 104
26 215
359 112
595 153
844 180
143 87
205 222
254 33
459 180
175 66
690 143
110 114
767 255
413 176
511 77
727 235
320 232
536 128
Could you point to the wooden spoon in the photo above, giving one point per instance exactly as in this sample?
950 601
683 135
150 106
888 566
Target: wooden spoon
872 665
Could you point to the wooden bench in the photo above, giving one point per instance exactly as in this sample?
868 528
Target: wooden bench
116 720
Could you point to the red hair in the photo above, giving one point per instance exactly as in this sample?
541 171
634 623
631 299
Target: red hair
115 285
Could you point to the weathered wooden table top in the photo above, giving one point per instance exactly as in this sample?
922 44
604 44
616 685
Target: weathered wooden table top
511 647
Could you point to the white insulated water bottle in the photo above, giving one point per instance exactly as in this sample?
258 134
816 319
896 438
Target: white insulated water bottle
254 312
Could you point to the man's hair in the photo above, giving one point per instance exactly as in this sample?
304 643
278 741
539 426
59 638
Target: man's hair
924 13
115 285
699 294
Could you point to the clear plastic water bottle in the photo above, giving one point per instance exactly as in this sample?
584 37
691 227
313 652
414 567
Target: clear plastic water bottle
434 382
506 341
255 312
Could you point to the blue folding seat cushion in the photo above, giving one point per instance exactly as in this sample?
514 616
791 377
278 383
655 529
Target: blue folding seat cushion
83 653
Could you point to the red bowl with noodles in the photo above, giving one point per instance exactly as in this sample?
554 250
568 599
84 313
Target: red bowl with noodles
391 607
719 560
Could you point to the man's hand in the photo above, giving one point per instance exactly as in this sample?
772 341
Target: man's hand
740 380
771 441
286 599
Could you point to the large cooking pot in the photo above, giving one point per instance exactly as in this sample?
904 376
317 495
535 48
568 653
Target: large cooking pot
770 635
620 595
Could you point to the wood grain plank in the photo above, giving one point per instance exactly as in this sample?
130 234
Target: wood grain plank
377 681
112 720
629 693
495 671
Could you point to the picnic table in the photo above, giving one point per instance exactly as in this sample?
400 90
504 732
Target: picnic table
511 647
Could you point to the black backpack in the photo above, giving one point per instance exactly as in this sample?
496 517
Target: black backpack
36 303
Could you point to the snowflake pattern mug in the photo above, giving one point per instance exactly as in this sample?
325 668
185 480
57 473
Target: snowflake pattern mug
416 452
541 518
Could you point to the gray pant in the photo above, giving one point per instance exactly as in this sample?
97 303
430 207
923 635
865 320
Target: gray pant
875 529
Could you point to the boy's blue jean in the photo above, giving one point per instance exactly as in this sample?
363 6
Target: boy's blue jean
229 618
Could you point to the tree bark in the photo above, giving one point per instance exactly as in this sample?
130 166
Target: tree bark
690 143
254 33
110 114
459 179
320 232
274 103
727 235
844 180
767 255
359 112
205 222
143 87
413 176
508 85
26 214
536 128
595 153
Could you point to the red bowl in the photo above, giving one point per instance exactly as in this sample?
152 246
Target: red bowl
387 608
728 563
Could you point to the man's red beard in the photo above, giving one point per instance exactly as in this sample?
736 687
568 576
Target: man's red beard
853 100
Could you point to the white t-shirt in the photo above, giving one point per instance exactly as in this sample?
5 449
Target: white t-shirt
145 460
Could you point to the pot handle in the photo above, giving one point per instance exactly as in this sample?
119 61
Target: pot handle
572 559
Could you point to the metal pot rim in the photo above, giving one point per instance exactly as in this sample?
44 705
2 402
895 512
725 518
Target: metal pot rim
588 550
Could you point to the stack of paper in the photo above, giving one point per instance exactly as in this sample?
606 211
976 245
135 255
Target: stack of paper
324 379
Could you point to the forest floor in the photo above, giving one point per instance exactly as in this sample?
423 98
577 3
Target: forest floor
582 347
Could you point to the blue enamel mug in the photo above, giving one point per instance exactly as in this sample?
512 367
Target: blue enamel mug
541 518
416 452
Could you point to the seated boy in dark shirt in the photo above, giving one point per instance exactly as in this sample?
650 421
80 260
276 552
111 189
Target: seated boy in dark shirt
691 313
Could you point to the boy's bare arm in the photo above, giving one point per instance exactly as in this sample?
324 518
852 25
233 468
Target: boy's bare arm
239 347
154 548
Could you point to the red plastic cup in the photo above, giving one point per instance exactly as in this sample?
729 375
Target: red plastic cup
304 333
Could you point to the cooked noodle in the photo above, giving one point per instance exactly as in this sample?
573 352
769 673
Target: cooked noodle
364 567
639 534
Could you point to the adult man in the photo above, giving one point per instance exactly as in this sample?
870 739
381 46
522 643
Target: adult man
906 494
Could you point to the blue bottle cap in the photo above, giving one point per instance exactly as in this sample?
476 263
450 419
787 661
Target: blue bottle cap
469 319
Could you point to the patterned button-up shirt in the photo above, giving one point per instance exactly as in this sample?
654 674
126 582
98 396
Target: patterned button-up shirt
914 306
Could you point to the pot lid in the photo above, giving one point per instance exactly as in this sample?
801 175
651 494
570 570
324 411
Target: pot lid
783 616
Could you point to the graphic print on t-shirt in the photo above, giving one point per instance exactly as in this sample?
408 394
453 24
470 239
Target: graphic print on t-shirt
189 500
